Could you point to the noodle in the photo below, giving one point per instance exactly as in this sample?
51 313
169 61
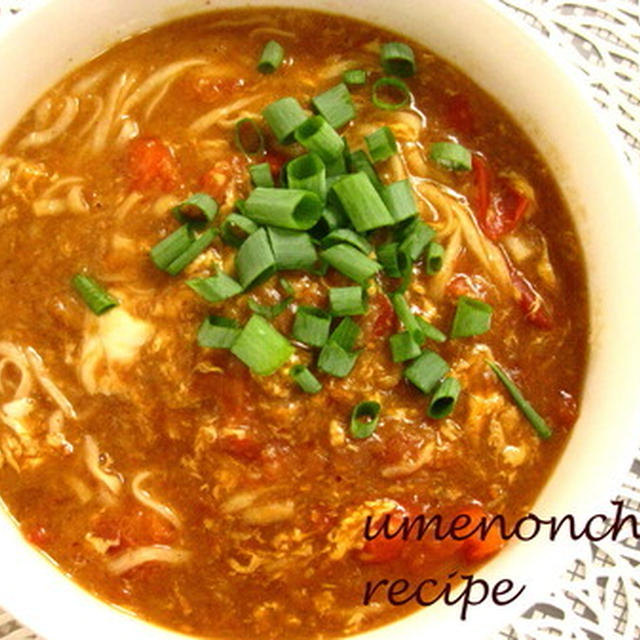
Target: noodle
210 118
46 136
48 385
92 460
144 498
14 355
133 558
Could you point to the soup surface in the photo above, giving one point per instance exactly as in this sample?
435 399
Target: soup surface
173 479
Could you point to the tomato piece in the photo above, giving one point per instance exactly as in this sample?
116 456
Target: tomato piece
38 536
382 549
482 187
530 302
475 548
458 114
151 164
384 321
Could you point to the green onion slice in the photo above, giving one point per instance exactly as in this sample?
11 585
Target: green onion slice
167 250
364 419
433 257
472 318
248 137
329 220
406 317
398 59
311 326
348 236
270 312
444 399
345 334
355 77
283 117
399 88
347 301
263 349
271 58
429 331
192 252
255 261
335 360
216 288
287 208
381 144
309 173
416 239
350 262
335 106
358 161
451 155
316 134
404 347
200 207
236 229
261 175
394 262
292 249
400 201
218 333
305 379
98 299
362 203
426 371
537 422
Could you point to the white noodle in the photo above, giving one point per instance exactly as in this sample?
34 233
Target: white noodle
269 513
38 368
84 84
145 498
159 79
45 136
128 131
14 355
271 31
201 124
97 112
155 553
105 122
92 460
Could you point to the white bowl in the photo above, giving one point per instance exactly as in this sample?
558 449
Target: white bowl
53 37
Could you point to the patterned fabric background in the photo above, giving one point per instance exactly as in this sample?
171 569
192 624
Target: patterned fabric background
598 596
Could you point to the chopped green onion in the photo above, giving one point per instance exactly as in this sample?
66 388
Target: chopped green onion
399 86
426 371
444 399
261 347
292 249
350 262
418 236
345 334
338 236
270 312
451 155
335 360
338 167
167 250
335 106
311 326
472 318
305 379
362 203
381 144
248 137
400 201
364 419
192 252
255 261
283 117
347 301
316 134
329 220
287 288
287 208
98 299
536 420
261 175
236 229
200 207
271 58
403 347
355 77
216 288
429 331
409 321
218 333
398 59
394 262
358 161
240 206
433 258
309 173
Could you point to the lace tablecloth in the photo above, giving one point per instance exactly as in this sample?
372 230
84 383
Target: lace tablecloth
598 597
